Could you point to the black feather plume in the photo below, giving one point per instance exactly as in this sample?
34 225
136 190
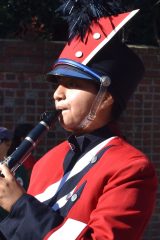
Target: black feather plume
80 13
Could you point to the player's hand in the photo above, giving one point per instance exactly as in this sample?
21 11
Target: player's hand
10 189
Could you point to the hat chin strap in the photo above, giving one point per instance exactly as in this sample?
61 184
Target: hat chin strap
105 82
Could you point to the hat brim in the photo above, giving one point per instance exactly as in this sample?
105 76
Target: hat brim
5 134
69 68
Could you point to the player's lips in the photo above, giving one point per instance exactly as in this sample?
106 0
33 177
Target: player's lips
61 108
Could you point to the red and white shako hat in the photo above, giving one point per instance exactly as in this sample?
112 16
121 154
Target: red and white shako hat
93 52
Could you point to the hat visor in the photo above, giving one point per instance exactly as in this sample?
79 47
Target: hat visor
69 68
67 71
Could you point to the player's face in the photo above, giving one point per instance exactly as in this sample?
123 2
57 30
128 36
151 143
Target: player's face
74 97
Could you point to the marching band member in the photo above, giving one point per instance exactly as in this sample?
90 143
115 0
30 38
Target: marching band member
94 185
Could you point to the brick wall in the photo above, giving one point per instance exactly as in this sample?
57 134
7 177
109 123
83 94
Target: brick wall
24 95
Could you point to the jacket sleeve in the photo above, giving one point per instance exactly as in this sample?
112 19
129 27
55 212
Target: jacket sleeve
126 205
29 219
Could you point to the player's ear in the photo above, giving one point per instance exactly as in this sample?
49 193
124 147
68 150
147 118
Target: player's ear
107 102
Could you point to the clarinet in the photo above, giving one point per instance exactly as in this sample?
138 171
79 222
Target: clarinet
30 142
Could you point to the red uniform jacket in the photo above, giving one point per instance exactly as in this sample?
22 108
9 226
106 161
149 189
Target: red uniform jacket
117 199
113 198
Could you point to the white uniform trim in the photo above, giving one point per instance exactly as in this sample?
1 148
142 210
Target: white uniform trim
108 38
70 230
79 166
62 201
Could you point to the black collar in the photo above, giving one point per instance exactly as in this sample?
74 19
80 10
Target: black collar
84 143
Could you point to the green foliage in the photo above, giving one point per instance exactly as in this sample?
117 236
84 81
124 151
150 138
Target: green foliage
145 27
29 19
36 19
